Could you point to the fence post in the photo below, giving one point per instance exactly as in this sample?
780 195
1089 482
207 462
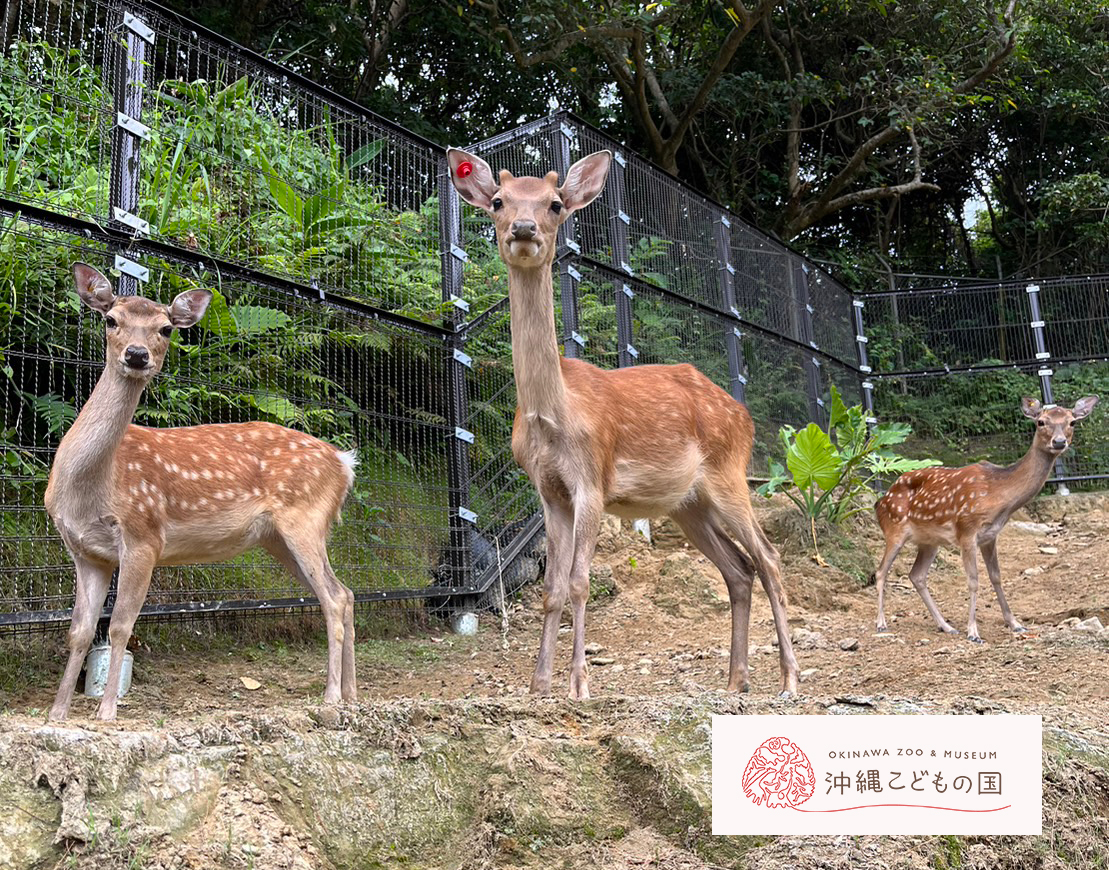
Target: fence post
864 363
127 136
568 276
625 346
1044 372
811 364
462 518
733 338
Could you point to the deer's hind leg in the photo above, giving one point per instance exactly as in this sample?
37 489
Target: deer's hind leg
301 550
731 507
918 575
739 576
894 542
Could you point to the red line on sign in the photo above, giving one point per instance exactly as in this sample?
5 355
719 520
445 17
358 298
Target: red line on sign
913 806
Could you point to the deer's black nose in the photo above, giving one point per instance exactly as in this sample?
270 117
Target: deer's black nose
523 230
136 357
1059 443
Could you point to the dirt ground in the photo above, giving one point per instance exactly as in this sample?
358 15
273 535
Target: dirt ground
658 633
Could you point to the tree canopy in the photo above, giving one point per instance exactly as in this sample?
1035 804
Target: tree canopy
859 130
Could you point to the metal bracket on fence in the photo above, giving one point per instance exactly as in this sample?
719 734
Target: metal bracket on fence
463 434
1032 288
129 267
573 273
460 303
578 339
619 158
862 339
463 358
631 350
817 364
858 303
737 332
573 246
730 268
458 253
565 130
135 128
1045 373
724 220
1044 355
628 269
627 291
130 220
624 218
1037 324
865 369
742 379
138 27
467 515
735 313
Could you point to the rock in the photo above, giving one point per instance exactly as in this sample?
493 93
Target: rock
1034 571
1092 624
602 583
617 669
593 648
685 666
250 684
645 661
1070 622
804 639
849 644
1030 527
601 661
1049 551
808 672
644 671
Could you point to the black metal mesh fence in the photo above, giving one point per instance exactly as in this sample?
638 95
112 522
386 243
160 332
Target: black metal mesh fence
354 299
956 359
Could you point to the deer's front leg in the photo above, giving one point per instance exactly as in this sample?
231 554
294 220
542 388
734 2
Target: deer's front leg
135 569
91 589
587 526
559 525
989 556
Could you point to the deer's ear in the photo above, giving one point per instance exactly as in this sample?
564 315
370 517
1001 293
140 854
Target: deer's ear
1083 407
585 180
472 178
1031 408
189 307
94 289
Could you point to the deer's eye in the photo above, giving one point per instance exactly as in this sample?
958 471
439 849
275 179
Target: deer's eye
110 321
167 331
497 203
556 206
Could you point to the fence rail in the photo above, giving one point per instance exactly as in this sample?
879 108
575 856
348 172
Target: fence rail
357 300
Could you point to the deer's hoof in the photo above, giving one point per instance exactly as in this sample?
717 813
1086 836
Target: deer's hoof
1020 629
950 630
973 638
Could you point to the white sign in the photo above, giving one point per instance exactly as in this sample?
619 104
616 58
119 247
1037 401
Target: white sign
877 774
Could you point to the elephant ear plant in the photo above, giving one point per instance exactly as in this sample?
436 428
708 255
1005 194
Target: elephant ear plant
826 472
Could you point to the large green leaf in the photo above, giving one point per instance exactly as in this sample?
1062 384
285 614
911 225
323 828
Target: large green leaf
254 319
217 318
277 406
322 204
365 154
286 198
320 227
778 480
812 458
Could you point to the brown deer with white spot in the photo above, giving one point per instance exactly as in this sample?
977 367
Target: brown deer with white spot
968 507
133 497
643 441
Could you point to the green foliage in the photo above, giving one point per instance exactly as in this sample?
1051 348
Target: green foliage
826 472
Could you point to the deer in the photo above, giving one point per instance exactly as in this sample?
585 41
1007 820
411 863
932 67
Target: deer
968 507
637 442
132 497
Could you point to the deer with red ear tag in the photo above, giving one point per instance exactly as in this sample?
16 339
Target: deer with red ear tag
133 497
643 441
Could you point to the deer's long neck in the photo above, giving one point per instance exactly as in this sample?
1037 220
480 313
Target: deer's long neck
85 455
1028 476
540 390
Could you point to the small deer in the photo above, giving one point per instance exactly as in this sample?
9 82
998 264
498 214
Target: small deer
968 507
133 497
643 441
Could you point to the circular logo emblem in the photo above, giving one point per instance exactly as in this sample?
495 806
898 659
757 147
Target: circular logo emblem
779 775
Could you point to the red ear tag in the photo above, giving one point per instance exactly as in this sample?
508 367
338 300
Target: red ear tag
464 169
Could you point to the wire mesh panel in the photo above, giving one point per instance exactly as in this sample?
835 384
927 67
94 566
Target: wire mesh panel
56 103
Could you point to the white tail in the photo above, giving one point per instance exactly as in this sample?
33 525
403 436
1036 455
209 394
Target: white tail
134 497
968 507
